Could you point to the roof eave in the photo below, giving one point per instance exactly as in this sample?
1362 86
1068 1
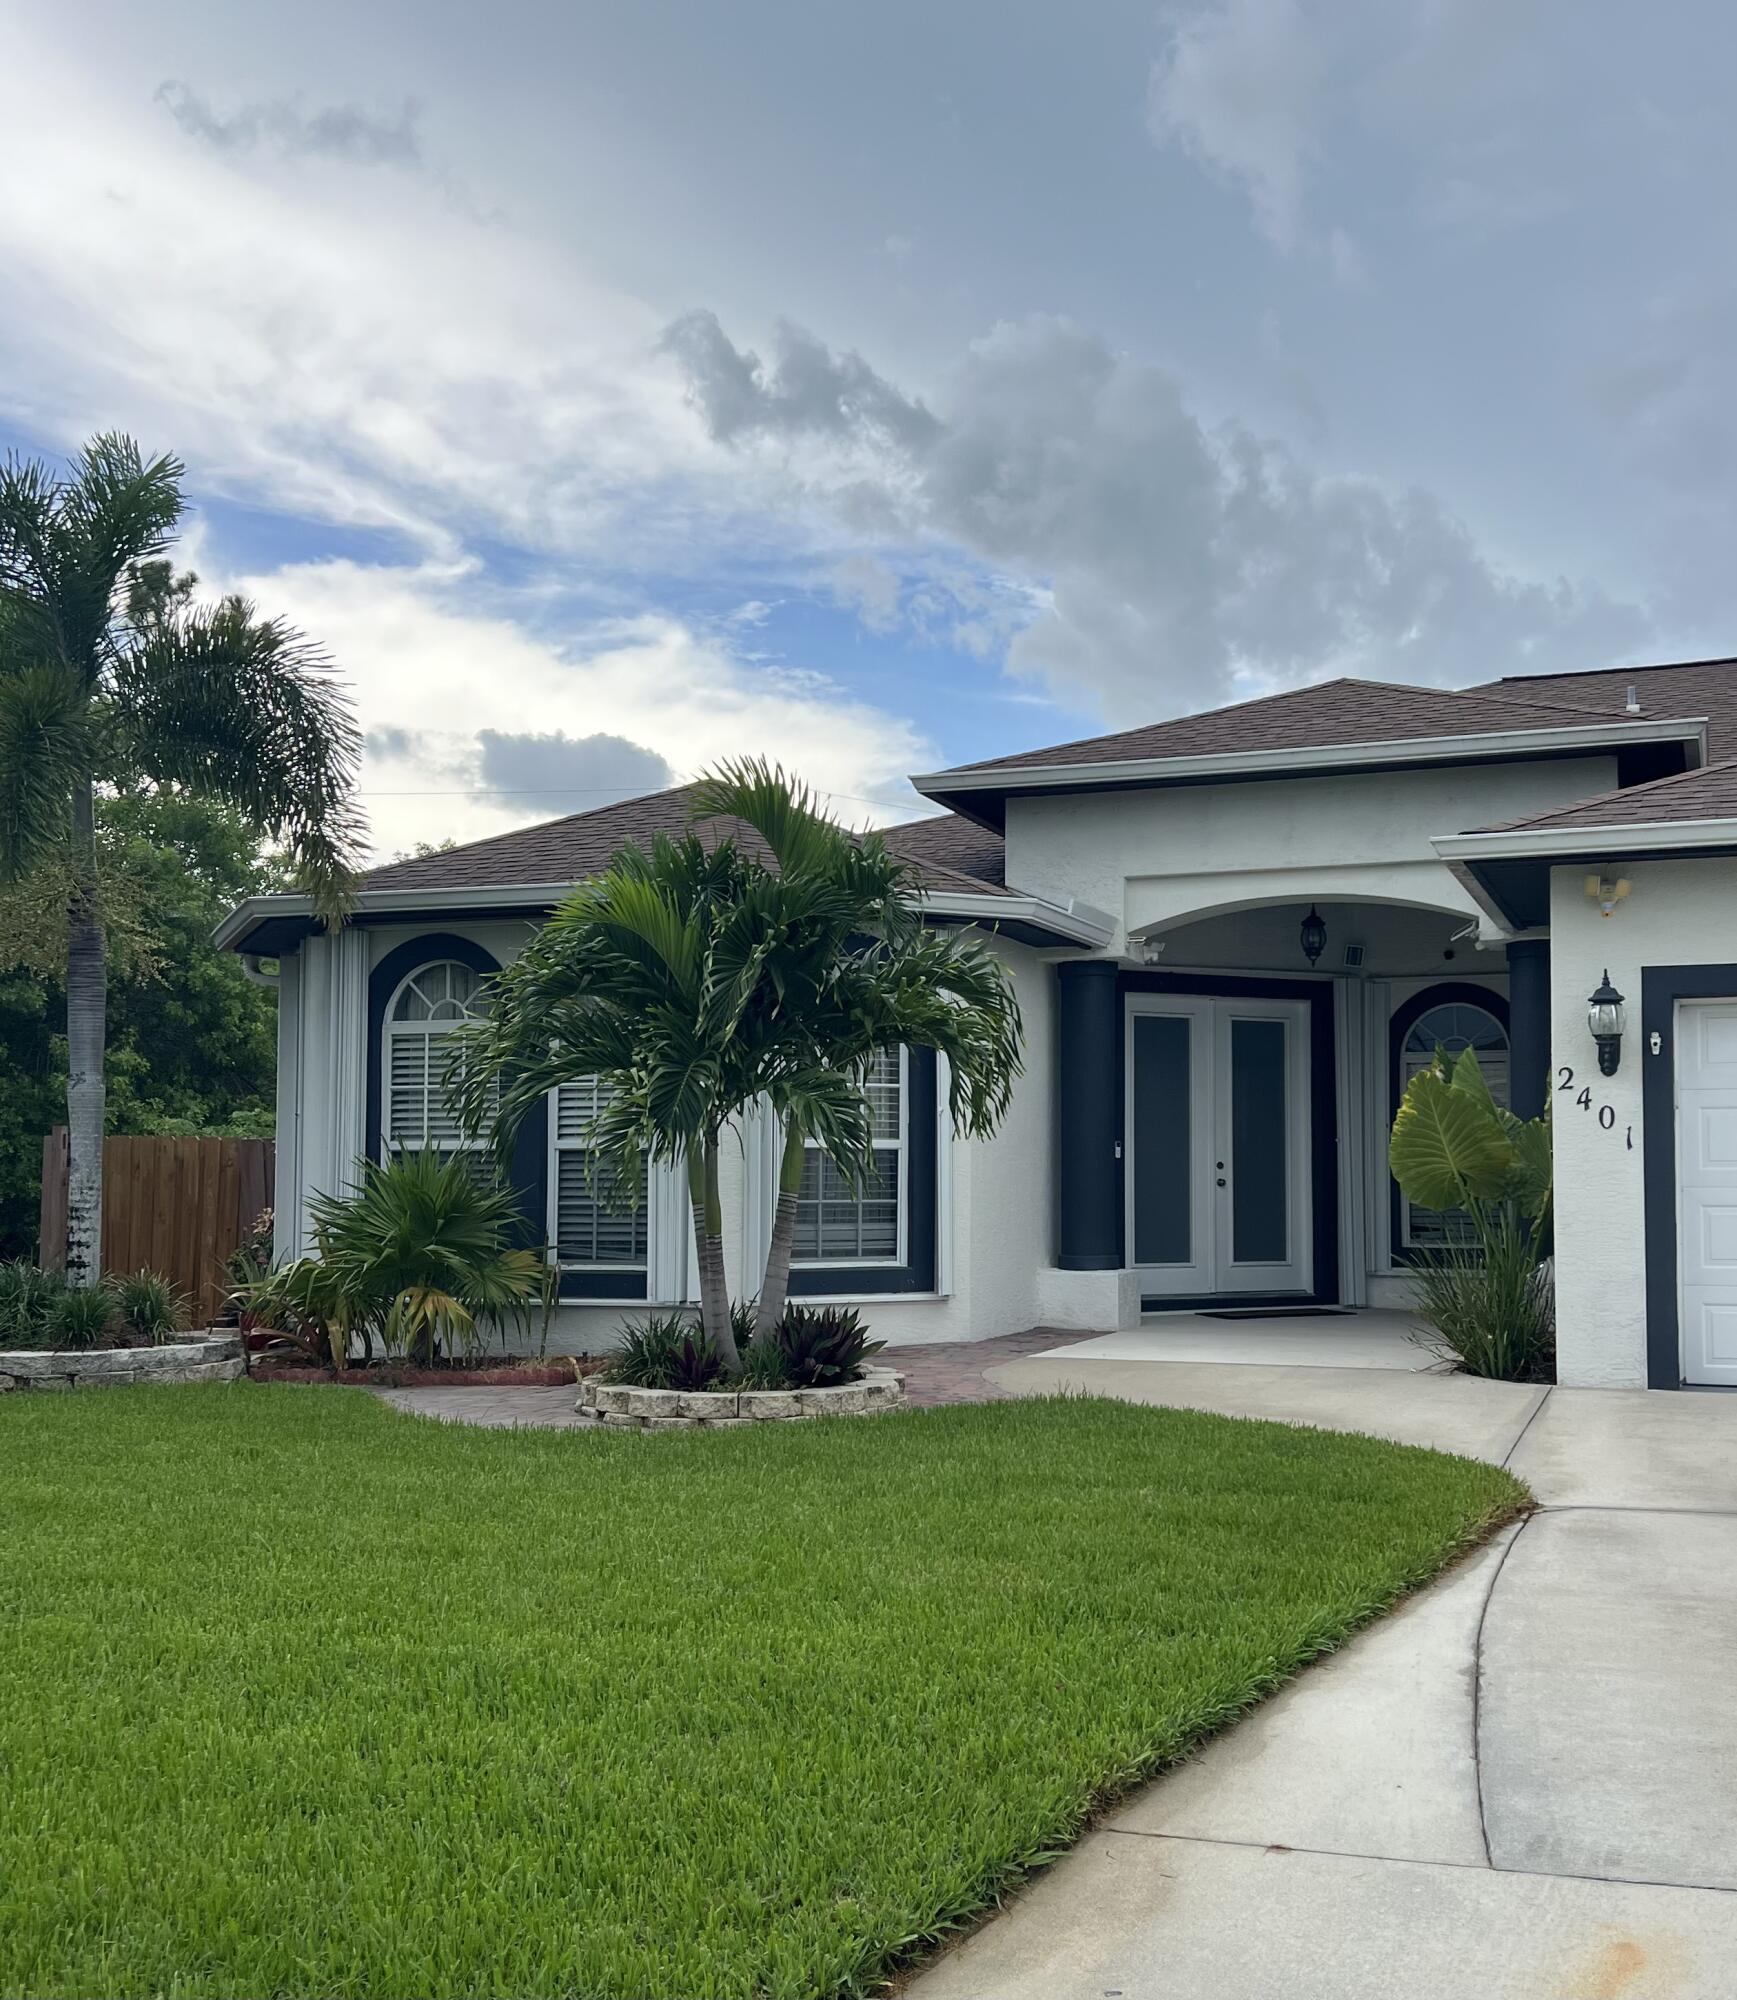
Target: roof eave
1076 924
1508 872
247 919
957 788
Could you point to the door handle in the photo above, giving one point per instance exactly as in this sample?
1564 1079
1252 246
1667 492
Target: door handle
1221 1180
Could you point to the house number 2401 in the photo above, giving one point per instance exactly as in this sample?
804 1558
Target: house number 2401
1606 1112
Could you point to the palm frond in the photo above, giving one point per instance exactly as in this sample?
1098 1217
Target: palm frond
246 710
45 750
780 809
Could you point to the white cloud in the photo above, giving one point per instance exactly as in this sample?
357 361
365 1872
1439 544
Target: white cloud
1239 88
1161 565
431 672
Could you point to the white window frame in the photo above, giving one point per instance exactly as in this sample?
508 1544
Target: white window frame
902 1146
558 1146
1411 1063
393 1030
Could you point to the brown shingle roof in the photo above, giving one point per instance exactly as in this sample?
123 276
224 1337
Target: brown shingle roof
1330 712
1695 687
947 851
1710 793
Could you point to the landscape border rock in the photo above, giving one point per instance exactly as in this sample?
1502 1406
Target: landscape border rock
875 1391
196 1357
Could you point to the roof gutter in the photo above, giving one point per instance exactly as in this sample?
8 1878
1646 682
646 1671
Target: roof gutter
1070 923
246 917
940 785
1540 843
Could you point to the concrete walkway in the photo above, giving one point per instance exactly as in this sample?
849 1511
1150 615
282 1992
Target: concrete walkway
1520 1786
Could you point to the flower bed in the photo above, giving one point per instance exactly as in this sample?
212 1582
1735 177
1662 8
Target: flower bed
505 1372
876 1391
195 1357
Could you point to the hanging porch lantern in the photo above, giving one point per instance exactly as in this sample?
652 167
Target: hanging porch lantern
1313 935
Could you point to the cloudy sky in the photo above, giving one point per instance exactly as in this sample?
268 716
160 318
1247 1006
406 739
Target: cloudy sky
611 386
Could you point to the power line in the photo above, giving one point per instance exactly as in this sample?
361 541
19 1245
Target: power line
581 792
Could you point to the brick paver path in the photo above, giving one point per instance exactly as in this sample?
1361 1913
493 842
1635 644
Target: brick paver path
935 1373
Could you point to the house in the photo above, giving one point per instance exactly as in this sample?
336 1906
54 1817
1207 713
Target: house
1234 935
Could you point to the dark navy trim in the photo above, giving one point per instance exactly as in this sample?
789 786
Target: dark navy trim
1447 993
1528 1026
1088 1160
922 1145
529 1167
1662 986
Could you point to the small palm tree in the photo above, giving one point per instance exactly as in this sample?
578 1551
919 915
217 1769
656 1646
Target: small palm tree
110 673
695 981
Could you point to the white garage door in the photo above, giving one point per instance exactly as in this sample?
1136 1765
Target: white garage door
1707 1187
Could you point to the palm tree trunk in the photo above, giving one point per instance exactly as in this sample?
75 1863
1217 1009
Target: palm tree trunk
775 1287
86 1006
708 1208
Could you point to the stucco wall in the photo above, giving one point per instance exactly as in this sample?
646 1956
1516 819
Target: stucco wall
1152 857
1677 913
995 1224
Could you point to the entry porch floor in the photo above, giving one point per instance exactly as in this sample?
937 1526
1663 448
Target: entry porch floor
1364 1339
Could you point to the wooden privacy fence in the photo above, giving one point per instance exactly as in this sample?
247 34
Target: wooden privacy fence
178 1206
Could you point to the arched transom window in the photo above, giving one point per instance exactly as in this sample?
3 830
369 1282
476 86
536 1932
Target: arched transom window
430 1003
1453 1027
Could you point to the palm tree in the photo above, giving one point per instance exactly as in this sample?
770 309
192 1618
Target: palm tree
694 981
110 673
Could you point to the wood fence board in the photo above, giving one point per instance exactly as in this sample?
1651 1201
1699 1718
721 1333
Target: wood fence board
178 1206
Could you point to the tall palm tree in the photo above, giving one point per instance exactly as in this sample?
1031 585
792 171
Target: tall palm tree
110 673
695 981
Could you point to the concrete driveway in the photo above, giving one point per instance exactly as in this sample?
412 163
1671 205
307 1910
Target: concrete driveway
1520 1786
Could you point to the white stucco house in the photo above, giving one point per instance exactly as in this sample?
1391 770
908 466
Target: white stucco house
1233 936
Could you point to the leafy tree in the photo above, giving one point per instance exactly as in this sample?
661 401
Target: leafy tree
110 670
693 981
191 1042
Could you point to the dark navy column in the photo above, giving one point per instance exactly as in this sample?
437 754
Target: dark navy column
1088 1117
1528 1026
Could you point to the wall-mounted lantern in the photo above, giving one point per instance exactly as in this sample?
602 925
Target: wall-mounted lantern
1313 935
1604 1018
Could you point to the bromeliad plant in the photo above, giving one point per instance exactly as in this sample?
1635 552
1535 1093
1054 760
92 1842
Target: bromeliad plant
1489 1303
710 974
426 1256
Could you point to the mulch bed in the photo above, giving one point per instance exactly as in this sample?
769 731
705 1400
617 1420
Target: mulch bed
508 1373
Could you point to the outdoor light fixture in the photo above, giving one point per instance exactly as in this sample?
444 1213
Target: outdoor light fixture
1313 935
1607 891
1604 1018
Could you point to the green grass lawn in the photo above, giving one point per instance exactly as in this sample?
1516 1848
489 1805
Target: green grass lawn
299 1696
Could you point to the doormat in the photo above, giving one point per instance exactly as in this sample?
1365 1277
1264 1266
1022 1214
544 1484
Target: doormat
1284 1312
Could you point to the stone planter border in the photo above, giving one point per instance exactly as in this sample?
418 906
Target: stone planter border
876 1391
196 1357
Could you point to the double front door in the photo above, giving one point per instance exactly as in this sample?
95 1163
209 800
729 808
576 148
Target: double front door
1218 1145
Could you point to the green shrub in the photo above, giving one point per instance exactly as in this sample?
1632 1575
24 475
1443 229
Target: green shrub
823 1346
665 1351
764 1366
1490 1304
80 1316
27 1295
423 1254
149 1307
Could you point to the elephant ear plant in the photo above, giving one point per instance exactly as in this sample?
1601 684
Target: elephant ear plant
1489 1302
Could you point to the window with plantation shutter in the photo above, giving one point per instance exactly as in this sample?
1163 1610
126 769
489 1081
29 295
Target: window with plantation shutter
426 1008
835 1225
596 1223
